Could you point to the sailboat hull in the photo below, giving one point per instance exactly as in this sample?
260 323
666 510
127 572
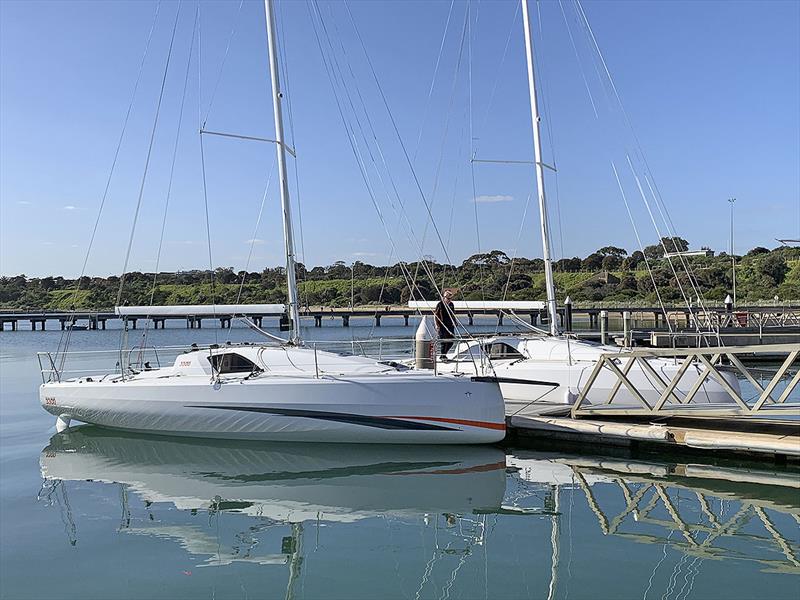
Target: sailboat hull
401 408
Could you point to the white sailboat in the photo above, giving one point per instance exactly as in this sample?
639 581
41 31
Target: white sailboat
283 391
544 372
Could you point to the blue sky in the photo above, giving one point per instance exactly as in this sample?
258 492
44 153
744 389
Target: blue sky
712 90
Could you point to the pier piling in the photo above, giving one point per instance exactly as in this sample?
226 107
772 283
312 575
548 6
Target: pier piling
604 327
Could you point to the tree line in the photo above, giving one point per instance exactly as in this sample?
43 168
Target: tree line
610 274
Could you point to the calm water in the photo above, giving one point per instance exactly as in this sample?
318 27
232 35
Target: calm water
98 514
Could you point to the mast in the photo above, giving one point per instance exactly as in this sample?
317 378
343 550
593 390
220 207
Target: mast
288 238
537 153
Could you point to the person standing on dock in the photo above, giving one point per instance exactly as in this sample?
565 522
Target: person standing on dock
445 316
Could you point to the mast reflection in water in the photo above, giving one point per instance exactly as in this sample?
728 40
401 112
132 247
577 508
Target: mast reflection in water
424 522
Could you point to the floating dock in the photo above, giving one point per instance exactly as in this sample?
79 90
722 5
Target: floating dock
778 441
761 418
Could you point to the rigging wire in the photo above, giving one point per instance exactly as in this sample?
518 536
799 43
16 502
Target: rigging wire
692 277
639 239
396 129
335 67
440 160
104 197
542 62
380 295
335 70
473 152
348 129
255 232
433 80
437 175
171 173
459 168
403 217
147 160
283 59
661 241
408 161
332 70
203 168
222 65
423 261
511 266
580 62
639 152
499 70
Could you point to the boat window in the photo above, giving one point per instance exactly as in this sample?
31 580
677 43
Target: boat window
499 350
230 362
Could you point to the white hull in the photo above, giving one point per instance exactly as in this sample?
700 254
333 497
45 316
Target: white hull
553 371
350 400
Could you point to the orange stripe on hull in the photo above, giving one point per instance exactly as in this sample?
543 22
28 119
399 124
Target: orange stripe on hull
485 424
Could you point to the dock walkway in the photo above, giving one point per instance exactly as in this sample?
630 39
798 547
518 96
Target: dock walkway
771 440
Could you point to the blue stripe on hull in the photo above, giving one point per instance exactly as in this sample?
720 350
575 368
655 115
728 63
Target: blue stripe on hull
354 419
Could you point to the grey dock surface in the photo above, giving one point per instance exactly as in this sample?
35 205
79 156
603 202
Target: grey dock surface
778 439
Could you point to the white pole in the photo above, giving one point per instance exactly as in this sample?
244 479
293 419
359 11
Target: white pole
537 153
294 313
733 256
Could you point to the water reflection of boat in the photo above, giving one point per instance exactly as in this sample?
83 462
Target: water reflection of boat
275 486
454 509
285 482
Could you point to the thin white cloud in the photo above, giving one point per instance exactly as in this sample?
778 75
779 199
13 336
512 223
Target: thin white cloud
365 254
485 199
70 207
255 241
23 203
183 242
48 243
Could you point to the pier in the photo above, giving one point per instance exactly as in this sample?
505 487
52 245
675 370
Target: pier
674 327
677 326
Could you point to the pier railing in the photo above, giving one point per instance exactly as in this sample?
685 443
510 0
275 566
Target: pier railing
763 318
763 391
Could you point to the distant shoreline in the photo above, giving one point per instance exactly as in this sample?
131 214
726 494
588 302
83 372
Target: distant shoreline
610 275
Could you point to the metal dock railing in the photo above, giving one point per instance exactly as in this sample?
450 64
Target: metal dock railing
771 397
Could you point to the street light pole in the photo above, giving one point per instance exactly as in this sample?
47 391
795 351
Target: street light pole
732 202
352 285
